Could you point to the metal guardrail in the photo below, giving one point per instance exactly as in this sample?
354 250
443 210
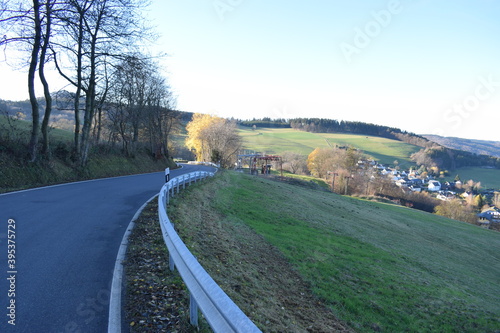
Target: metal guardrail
221 313
204 163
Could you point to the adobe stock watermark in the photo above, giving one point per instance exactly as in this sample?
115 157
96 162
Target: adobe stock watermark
222 7
372 29
455 115
88 311
279 112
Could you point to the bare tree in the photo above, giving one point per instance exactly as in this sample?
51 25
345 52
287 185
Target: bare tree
223 142
128 85
496 199
23 24
141 105
32 26
31 81
456 210
97 32
45 42
294 162
161 119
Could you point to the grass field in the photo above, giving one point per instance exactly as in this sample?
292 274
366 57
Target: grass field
22 128
378 267
279 140
489 178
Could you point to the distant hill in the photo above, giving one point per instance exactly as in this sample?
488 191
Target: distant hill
481 147
62 115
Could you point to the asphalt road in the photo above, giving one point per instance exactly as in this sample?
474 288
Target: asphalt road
63 245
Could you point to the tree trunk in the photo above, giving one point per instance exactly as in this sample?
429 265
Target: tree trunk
46 91
78 84
99 124
101 104
31 84
87 122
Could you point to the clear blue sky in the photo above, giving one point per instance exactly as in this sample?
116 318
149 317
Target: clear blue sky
429 67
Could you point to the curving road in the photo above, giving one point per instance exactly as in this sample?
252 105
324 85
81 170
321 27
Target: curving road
66 241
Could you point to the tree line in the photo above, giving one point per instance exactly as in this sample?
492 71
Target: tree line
98 47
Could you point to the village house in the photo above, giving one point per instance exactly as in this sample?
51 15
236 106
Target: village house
446 195
434 186
489 216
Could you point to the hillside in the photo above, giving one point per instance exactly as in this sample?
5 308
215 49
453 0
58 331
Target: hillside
481 147
384 150
376 267
279 140
107 161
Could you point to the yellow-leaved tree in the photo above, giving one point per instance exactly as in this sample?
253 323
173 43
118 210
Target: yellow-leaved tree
213 139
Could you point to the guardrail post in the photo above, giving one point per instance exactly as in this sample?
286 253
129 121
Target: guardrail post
167 175
193 311
171 263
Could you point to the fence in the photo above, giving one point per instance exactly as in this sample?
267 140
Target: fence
221 313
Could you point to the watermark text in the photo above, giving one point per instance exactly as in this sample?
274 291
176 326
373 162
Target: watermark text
11 271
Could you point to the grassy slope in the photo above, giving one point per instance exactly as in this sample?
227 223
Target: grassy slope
279 140
381 149
377 266
489 178
22 129
17 174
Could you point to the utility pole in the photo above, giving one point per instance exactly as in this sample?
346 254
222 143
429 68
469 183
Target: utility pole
347 183
333 181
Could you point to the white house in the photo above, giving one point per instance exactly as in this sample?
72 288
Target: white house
434 186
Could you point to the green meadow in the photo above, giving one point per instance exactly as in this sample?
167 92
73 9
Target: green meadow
280 140
21 129
489 178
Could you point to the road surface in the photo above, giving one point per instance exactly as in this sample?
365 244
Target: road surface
58 247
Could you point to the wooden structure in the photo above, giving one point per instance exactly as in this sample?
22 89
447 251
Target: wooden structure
260 162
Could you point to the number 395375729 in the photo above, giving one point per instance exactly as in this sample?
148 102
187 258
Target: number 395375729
11 244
